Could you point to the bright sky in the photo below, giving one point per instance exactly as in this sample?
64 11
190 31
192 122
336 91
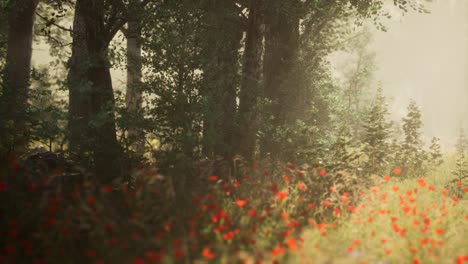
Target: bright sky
424 57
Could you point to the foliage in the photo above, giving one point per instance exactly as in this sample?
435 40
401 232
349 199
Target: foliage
461 145
377 132
413 155
435 152
260 215
461 176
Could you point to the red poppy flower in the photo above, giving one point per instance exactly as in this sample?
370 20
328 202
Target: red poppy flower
322 172
212 178
241 203
397 171
208 254
282 195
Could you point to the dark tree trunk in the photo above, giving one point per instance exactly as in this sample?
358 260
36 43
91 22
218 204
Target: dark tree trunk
281 42
92 124
14 101
220 73
133 96
251 80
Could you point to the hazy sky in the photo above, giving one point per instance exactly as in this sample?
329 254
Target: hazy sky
424 57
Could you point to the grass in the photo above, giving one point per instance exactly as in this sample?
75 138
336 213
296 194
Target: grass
399 221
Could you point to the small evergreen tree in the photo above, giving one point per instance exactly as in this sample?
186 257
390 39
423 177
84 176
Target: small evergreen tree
461 176
435 154
461 145
413 155
344 152
377 132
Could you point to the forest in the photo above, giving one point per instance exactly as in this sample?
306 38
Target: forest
220 131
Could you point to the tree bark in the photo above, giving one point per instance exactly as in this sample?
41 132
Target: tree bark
133 96
251 80
281 42
92 122
14 99
220 74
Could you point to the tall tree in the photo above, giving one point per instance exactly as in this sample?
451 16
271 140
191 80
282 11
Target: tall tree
133 95
222 41
14 100
91 98
281 42
250 88
377 132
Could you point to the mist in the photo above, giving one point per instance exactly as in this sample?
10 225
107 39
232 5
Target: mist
424 57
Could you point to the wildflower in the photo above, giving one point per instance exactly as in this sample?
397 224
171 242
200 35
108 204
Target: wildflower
387 178
322 172
281 195
178 253
326 203
138 260
106 189
286 178
252 213
3 186
397 171
90 253
241 203
395 188
212 178
291 244
208 254
277 251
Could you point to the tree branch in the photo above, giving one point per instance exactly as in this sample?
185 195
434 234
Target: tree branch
52 22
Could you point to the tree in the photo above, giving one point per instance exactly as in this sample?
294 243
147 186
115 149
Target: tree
413 156
91 99
461 146
222 40
14 100
134 92
377 132
251 85
435 153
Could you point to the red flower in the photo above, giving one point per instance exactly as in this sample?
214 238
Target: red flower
286 178
3 186
241 203
326 203
212 178
397 171
106 189
206 253
281 195
138 260
90 253
322 172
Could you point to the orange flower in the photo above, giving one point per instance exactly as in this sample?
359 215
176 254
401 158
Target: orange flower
397 171
206 253
387 178
241 203
326 203
322 172
286 178
281 195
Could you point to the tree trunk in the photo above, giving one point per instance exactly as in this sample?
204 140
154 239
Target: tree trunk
220 74
281 42
14 99
251 81
92 124
133 96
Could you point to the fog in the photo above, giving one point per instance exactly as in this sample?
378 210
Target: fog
424 57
